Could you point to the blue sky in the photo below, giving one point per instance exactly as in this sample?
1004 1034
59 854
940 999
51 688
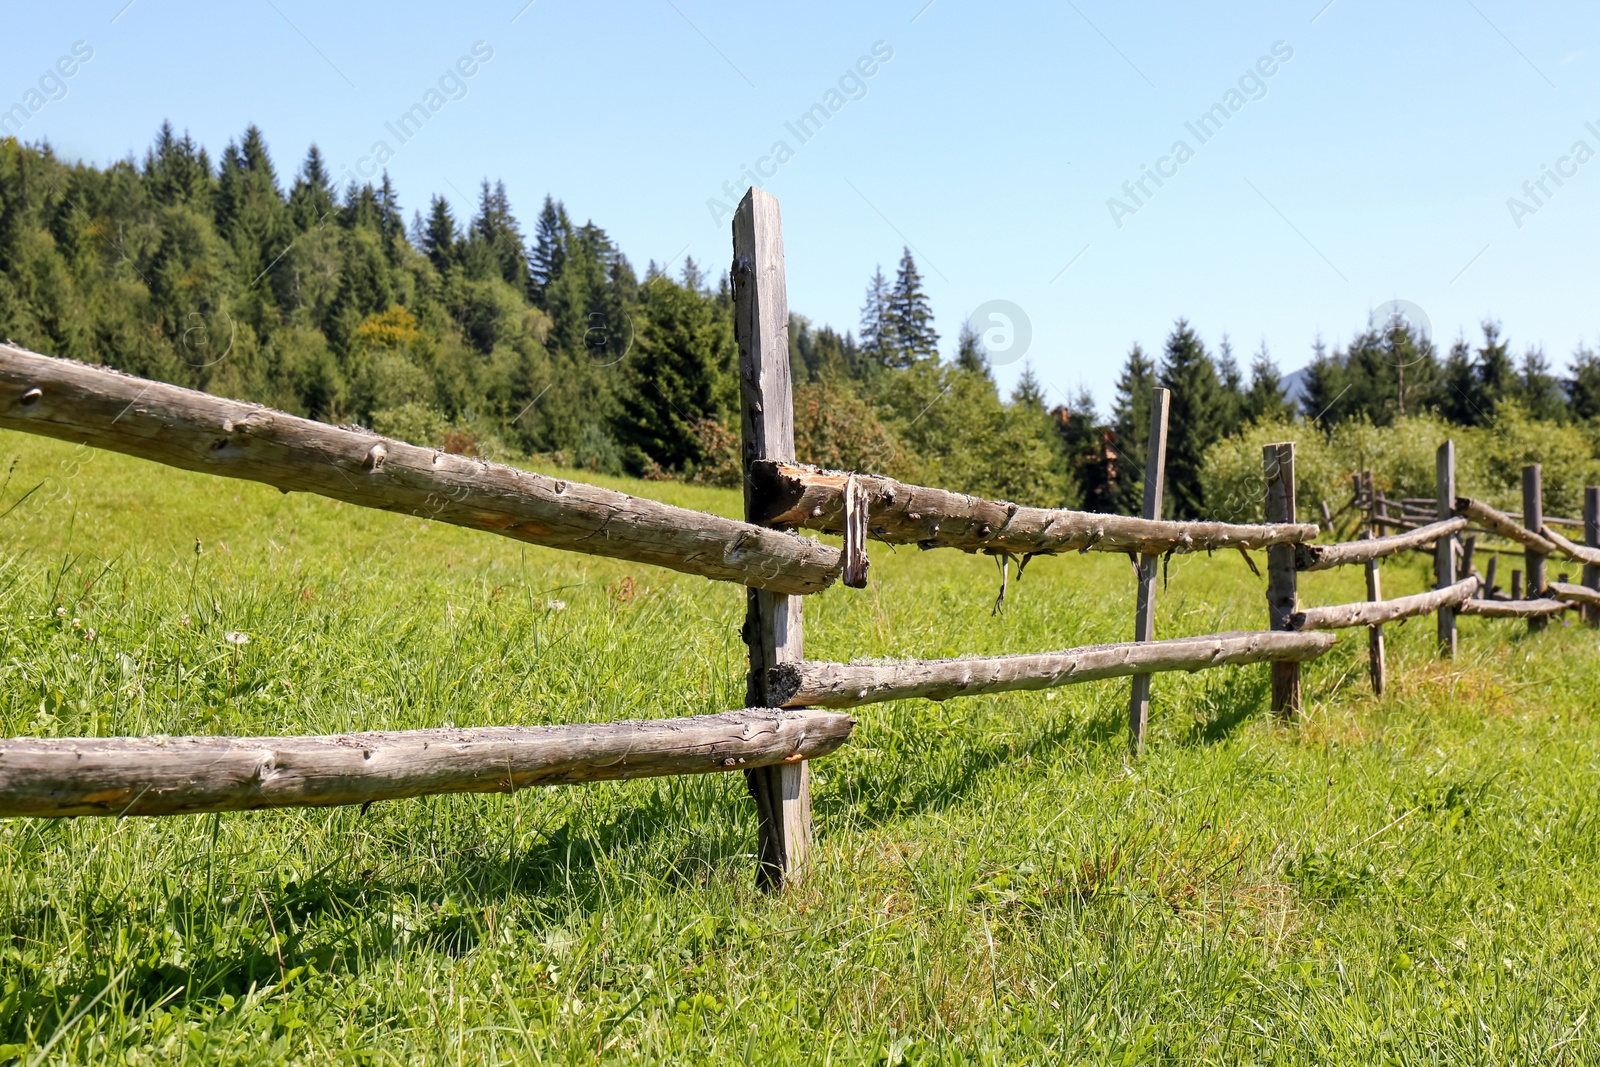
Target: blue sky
1375 163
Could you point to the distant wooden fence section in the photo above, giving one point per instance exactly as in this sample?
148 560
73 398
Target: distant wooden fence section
1459 588
780 730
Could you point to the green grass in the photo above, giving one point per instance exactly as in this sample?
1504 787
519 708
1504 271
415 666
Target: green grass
1407 881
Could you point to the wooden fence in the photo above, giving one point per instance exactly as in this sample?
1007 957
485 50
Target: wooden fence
783 725
1438 527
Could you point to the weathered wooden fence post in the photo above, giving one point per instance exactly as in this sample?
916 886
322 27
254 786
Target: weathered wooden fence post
1282 578
1444 549
1533 519
1591 537
772 628
1144 621
1378 667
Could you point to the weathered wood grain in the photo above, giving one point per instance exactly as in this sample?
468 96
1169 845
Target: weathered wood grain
1499 523
1377 663
1515 609
847 685
1532 521
1282 581
772 626
196 431
1372 613
856 561
1444 548
1308 557
1589 557
813 498
1144 618
1581 595
117 776
1591 540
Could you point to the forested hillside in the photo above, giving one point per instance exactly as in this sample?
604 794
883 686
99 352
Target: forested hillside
487 336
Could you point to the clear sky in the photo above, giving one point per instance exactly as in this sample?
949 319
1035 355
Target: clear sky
1375 162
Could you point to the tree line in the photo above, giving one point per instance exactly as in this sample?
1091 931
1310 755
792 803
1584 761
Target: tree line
476 335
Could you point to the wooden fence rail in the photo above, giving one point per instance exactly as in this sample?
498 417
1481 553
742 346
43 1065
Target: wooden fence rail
120 776
848 685
813 498
199 432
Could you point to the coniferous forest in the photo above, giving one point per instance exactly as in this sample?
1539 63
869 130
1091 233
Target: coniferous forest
492 336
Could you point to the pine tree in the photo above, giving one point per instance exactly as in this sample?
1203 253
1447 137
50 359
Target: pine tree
549 249
1193 422
679 374
878 331
1458 397
1537 389
1495 373
1130 426
1264 400
253 218
692 277
176 171
1028 393
494 240
914 335
1230 392
1326 384
1583 388
311 199
970 355
440 236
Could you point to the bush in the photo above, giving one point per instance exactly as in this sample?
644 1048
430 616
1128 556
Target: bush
1489 462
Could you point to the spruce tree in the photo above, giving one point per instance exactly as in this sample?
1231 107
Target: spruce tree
1230 391
1537 389
1264 400
496 237
1495 373
549 249
970 355
914 335
1130 427
679 374
878 331
440 235
1583 388
311 198
1193 422
1458 395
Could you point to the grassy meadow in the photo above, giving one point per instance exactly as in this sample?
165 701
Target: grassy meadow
1404 881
